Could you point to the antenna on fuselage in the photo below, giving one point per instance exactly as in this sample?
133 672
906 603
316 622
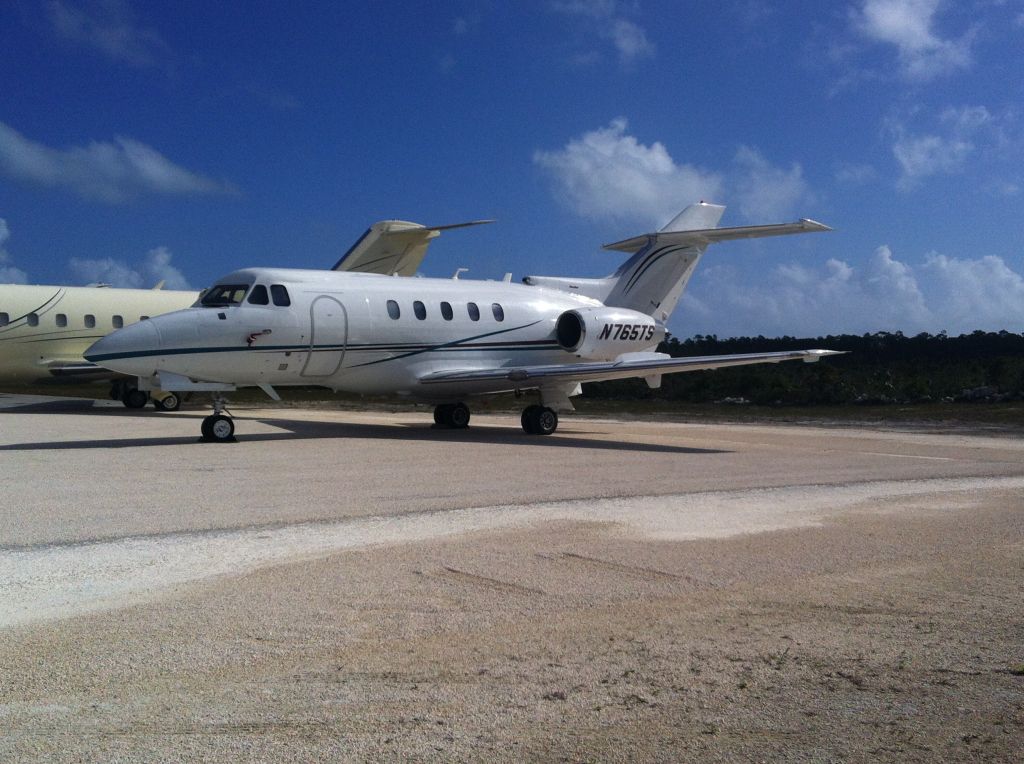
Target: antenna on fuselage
455 277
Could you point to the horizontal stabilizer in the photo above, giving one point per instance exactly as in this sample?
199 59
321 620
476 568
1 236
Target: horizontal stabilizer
709 235
394 247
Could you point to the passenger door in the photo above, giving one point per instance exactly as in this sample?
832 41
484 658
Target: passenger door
328 337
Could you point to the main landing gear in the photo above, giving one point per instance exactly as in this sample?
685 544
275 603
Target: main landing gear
169 402
453 416
134 398
537 420
219 427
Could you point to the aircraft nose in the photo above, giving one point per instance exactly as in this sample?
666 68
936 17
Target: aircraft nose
129 350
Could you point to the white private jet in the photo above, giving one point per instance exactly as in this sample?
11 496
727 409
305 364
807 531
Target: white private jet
437 340
44 330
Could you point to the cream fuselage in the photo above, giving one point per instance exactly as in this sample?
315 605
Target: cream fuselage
44 330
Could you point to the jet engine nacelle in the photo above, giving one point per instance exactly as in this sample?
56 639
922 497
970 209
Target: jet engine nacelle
606 333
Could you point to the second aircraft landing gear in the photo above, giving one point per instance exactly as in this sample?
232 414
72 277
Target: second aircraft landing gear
219 427
454 416
170 402
539 420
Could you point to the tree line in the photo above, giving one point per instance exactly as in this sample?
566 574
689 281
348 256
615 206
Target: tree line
880 368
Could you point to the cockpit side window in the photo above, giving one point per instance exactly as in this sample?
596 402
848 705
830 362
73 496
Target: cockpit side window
280 295
258 295
223 295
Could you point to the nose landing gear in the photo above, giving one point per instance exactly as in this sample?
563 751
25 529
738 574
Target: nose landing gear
219 427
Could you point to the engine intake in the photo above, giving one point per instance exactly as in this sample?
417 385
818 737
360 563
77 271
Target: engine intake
601 334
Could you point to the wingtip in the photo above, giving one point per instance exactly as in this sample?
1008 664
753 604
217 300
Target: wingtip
814 225
812 356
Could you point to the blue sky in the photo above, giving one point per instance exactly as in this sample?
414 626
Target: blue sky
179 141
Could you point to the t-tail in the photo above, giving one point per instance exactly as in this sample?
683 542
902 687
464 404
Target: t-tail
653 279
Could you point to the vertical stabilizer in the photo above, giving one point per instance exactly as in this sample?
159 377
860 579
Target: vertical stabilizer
653 279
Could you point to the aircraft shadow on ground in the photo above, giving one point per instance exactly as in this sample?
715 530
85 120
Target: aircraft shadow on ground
293 429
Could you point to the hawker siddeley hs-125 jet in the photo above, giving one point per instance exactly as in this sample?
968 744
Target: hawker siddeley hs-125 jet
441 341
44 330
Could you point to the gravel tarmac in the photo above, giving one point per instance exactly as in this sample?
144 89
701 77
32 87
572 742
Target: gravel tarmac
353 586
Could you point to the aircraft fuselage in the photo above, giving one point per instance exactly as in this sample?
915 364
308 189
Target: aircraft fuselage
356 332
44 330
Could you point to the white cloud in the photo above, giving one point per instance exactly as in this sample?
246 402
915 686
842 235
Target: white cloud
8 273
920 156
630 40
909 25
764 192
108 27
155 268
607 17
607 173
885 294
961 134
109 172
983 293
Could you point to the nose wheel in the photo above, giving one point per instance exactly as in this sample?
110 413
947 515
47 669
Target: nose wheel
219 427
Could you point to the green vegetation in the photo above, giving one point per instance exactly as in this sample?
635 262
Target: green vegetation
881 369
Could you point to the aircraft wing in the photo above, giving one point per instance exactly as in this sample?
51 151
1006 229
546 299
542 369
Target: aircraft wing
393 247
630 365
709 235
79 369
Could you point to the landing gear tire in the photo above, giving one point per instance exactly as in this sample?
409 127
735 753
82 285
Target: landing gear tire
218 428
441 415
458 417
539 420
454 416
135 398
170 402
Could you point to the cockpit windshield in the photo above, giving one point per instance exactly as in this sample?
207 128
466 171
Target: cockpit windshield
223 295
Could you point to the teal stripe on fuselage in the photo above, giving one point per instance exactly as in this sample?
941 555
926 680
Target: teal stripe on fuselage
405 350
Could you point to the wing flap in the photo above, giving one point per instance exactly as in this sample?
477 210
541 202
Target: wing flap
534 376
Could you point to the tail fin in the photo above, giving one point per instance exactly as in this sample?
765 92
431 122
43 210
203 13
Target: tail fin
653 279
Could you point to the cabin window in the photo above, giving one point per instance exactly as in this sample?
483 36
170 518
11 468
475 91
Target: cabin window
473 310
62 320
279 295
90 321
117 321
4 319
223 295
446 311
143 318
32 319
420 310
393 310
259 296
498 311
